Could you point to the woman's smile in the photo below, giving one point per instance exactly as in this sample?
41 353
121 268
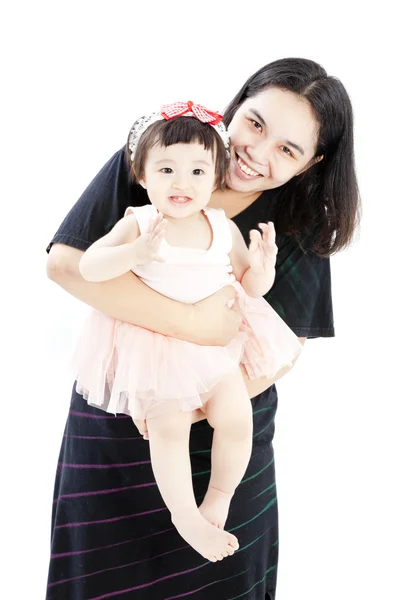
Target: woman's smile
245 168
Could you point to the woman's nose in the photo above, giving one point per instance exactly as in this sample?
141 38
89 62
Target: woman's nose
260 158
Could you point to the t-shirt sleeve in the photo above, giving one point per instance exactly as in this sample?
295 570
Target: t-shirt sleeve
101 205
301 293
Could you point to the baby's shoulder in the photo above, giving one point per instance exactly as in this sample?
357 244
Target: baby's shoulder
215 211
217 217
144 216
141 212
221 227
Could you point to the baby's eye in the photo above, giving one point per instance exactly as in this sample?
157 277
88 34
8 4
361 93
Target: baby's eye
167 170
198 171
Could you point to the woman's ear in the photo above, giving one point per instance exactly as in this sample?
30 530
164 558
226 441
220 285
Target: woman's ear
312 162
143 183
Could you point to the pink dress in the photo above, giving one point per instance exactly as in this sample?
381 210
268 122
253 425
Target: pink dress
122 368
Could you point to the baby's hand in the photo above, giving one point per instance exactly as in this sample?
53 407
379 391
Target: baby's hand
147 245
262 249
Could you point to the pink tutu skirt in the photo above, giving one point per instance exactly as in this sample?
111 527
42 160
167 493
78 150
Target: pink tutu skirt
122 368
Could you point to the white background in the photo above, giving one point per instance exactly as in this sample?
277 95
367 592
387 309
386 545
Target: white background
74 77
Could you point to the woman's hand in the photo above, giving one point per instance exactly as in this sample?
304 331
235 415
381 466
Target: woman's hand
215 321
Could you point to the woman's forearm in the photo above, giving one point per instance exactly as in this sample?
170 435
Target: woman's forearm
125 298
257 386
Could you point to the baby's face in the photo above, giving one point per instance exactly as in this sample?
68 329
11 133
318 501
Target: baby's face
179 179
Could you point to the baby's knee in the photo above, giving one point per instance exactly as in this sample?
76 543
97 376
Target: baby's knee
237 425
170 426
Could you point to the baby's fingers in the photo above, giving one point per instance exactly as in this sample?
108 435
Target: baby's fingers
155 223
159 218
268 232
255 239
159 231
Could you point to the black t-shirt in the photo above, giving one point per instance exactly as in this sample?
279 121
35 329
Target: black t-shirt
301 293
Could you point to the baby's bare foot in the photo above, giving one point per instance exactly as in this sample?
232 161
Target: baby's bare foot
209 541
215 507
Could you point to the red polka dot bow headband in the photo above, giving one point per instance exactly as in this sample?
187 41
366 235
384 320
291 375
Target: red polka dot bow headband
178 109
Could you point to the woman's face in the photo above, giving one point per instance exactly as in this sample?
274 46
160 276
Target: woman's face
273 138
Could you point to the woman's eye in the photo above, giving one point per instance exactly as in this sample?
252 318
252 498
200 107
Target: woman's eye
287 151
166 170
198 171
256 124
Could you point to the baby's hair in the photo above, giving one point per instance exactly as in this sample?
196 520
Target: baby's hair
180 130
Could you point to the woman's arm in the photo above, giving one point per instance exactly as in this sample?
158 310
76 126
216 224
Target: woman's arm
209 322
257 386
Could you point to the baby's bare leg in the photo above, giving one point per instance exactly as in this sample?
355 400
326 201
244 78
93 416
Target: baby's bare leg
169 449
230 413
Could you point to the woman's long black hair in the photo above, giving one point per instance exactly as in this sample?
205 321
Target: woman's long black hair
324 200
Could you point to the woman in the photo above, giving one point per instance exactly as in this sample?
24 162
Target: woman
292 163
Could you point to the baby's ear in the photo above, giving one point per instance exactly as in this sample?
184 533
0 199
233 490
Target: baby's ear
143 183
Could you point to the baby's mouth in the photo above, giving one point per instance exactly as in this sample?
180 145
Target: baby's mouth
179 199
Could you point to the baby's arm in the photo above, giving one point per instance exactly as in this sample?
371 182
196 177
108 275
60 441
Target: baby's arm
254 267
122 249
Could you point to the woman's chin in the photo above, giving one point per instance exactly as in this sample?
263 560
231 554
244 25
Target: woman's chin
237 184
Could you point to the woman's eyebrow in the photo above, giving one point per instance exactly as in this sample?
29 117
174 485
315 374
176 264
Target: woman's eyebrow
263 123
259 117
295 146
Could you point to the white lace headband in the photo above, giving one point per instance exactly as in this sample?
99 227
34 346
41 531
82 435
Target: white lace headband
178 109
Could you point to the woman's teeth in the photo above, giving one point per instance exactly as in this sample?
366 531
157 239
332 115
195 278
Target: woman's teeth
245 168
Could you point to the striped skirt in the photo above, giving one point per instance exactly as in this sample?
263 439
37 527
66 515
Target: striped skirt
112 535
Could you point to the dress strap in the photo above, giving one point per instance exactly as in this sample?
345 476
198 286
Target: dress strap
221 230
144 215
